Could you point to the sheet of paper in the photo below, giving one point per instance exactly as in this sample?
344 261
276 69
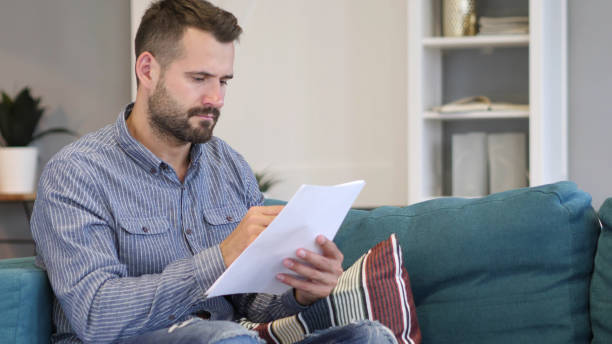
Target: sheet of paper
313 210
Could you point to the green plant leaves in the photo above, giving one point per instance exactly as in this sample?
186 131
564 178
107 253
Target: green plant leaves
5 112
19 119
264 181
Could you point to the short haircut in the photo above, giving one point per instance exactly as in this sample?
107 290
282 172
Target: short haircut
164 23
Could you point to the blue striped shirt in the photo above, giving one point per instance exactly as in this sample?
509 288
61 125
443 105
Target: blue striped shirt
129 248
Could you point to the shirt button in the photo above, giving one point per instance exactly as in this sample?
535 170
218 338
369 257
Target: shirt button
145 229
203 314
171 317
153 170
188 231
229 218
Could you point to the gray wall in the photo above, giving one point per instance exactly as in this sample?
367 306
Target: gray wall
75 55
590 87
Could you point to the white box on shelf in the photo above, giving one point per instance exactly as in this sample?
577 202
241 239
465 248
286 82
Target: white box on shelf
469 164
507 161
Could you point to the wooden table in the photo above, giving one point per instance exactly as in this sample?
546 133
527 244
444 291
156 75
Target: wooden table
17 197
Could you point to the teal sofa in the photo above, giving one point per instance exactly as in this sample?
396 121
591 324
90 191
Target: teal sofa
530 265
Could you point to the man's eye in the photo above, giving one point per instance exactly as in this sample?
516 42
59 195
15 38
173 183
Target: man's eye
198 79
224 82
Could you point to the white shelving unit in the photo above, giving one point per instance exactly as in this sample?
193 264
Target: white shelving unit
546 86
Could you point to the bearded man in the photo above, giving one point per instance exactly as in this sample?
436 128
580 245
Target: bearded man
135 221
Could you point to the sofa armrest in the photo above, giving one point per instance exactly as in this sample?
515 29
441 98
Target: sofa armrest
25 302
601 284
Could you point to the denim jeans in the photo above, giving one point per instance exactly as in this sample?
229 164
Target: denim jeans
201 331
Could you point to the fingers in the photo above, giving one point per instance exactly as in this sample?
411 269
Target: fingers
306 292
330 260
316 268
259 219
329 248
262 216
311 273
318 274
270 209
251 225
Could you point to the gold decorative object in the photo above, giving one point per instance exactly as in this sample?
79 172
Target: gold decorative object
458 18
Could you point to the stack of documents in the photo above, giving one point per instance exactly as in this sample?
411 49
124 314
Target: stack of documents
504 25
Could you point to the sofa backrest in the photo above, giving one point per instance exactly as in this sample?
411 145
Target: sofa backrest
512 267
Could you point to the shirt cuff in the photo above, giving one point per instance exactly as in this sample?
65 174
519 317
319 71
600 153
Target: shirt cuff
208 265
291 304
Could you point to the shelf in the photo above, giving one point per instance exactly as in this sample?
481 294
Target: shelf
485 41
17 197
430 115
523 69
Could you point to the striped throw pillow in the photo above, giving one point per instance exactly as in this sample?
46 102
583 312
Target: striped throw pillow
375 287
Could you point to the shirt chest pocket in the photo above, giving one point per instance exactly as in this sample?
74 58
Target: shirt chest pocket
144 244
222 221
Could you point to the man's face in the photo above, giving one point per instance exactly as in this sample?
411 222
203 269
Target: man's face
191 89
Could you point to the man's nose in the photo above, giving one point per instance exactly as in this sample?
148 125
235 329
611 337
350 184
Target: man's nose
214 94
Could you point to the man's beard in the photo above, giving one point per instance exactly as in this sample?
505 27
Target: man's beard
168 119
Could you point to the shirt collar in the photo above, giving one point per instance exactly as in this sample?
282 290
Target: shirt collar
138 152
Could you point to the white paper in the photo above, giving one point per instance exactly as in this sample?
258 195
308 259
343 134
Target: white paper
312 211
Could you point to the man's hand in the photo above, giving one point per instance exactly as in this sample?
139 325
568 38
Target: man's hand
253 223
320 273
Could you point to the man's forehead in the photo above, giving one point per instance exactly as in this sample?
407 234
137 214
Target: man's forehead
195 36
202 51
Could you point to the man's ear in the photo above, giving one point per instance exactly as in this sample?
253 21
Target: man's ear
147 70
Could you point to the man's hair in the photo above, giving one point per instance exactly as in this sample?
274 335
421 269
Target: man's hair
164 23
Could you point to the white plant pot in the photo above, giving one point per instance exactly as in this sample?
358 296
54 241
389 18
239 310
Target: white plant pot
18 169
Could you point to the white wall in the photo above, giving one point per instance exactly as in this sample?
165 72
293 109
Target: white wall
590 87
73 54
319 94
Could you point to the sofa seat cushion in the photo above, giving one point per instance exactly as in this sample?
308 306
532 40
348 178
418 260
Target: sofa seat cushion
25 302
601 285
513 267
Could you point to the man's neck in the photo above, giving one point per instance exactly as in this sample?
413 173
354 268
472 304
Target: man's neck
174 153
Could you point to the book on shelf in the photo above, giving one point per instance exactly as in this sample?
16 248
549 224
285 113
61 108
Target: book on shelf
478 104
503 25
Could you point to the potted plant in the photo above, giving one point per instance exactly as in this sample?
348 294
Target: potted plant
265 182
18 161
